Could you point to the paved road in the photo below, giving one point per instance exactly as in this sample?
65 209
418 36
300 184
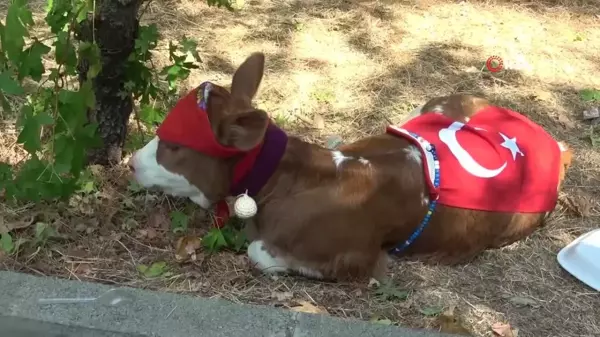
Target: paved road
148 313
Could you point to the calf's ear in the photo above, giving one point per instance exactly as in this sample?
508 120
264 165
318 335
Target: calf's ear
243 130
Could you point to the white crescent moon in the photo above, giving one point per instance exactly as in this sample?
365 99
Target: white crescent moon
448 137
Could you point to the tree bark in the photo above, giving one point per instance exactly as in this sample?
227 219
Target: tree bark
114 29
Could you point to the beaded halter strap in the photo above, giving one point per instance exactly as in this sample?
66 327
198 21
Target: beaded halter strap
432 203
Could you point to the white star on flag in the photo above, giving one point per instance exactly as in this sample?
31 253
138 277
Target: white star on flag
511 144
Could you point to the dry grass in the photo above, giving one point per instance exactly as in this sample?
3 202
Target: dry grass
358 64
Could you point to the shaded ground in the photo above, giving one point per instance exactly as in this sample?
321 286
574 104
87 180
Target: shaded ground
358 64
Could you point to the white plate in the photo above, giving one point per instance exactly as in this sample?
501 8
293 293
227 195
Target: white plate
581 258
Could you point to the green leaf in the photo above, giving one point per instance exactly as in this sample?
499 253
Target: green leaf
189 46
151 115
388 291
5 104
6 243
31 62
236 239
134 186
590 95
65 51
44 118
18 17
43 232
221 3
90 52
382 321
83 7
59 14
87 187
214 240
72 109
63 153
155 270
524 301
147 40
30 134
173 70
179 221
431 311
32 126
9 85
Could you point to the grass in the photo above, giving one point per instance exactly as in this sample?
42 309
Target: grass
360 64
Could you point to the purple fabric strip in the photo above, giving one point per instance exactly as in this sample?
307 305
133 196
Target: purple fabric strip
266 162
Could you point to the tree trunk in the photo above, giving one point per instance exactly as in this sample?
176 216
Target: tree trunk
114 29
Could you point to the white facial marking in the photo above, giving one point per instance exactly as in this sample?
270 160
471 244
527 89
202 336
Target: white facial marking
149 173
339 158
413 153
264 261
467 119
562 147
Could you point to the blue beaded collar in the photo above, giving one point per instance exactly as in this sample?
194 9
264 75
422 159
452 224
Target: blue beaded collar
432 203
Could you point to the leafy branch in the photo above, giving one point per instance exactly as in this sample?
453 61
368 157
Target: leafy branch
39 88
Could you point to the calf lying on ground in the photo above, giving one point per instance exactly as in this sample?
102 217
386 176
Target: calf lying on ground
459 177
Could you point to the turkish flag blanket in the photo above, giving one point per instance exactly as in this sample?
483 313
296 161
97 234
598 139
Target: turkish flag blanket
498 161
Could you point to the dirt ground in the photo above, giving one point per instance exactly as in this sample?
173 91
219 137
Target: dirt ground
357 65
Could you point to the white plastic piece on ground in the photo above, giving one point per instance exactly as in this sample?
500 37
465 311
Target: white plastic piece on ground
581 258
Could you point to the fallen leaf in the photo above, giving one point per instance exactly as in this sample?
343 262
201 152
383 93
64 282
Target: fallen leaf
450 322
389 292
383 321
282 295
504 330
373 283
81 227
566 121
431 311
83 268
155 270
159 219
151 233
186 247
7 226
357 293
129 224
141 233
524 301
307 307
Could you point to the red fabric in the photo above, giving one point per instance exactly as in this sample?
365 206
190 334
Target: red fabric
187 124
221 214
528 182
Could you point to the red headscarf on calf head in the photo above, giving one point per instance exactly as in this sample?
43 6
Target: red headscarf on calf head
187 124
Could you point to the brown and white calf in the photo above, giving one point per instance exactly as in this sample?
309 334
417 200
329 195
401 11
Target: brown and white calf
339 214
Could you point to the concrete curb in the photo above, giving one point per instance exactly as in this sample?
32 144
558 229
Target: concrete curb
156 314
